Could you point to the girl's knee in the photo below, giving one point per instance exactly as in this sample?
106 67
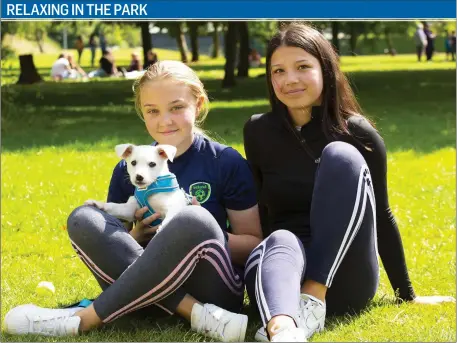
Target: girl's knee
340 156
81 221
194 222
284 238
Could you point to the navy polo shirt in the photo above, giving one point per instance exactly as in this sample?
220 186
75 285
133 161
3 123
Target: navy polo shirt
217 175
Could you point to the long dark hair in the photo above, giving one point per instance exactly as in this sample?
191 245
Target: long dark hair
338 100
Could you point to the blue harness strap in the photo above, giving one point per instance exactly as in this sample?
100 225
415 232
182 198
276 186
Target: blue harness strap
163 184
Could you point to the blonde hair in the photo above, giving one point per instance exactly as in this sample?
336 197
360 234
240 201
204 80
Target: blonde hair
178 72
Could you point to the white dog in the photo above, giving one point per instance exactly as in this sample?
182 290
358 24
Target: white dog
156 187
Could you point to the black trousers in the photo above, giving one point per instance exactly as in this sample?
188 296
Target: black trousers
342 252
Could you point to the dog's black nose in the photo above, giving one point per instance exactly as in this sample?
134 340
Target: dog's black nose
139 177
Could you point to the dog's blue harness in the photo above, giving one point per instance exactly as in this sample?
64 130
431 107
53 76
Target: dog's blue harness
163 184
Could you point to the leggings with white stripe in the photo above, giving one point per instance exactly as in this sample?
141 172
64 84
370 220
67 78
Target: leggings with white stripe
189 255
342 251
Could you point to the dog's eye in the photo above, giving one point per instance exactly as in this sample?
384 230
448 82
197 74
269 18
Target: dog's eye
133 163
152 164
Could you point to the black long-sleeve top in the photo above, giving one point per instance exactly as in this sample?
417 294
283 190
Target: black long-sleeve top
284 164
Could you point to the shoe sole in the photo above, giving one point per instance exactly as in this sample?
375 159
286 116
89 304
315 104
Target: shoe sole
260 337
5 321
244 326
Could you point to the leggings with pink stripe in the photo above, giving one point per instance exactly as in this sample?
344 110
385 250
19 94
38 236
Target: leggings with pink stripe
189 256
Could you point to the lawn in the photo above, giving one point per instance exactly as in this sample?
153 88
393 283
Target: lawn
57 147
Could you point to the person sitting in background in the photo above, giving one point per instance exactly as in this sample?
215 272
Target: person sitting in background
151 58
107 66
61 68
254 59
76 69
135 63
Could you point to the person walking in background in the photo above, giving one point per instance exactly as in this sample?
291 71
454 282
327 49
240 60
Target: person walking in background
421 40
430 48
93 48
102 42
453 41
449 44
79 45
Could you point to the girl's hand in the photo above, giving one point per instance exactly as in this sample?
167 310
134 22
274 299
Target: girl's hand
433 300
142 230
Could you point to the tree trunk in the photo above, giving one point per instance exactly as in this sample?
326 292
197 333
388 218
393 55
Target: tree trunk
215 53
353 39
193 31
182 45
389 41
335 33
146 39
230 55
243 57
29 74
39 39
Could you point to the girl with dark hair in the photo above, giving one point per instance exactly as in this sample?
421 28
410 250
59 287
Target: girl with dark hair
320 170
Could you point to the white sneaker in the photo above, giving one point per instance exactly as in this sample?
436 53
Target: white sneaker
292 334
218 323
31 319
311 316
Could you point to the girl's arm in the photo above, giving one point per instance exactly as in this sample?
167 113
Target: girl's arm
246 233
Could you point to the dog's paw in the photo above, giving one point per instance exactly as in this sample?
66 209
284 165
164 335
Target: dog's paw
100 205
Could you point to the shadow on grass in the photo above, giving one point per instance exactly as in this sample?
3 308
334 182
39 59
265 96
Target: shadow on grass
412 110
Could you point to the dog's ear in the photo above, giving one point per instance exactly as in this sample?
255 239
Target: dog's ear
166 151
124 150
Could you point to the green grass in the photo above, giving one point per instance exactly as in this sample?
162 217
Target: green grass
57 147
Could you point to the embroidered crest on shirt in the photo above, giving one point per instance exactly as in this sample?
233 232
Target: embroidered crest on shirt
201 191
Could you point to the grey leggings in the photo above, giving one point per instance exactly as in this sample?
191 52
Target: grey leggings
189 256
342 252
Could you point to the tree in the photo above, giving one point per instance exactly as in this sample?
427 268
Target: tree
178 33
10 27
335 33
262 30
355 28
243 56
230 55
389 28
215 53
29 74
146 39
176 30
34 30
193 33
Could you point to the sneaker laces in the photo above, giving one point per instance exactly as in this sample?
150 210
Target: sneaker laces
49 325
211 323
308 305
